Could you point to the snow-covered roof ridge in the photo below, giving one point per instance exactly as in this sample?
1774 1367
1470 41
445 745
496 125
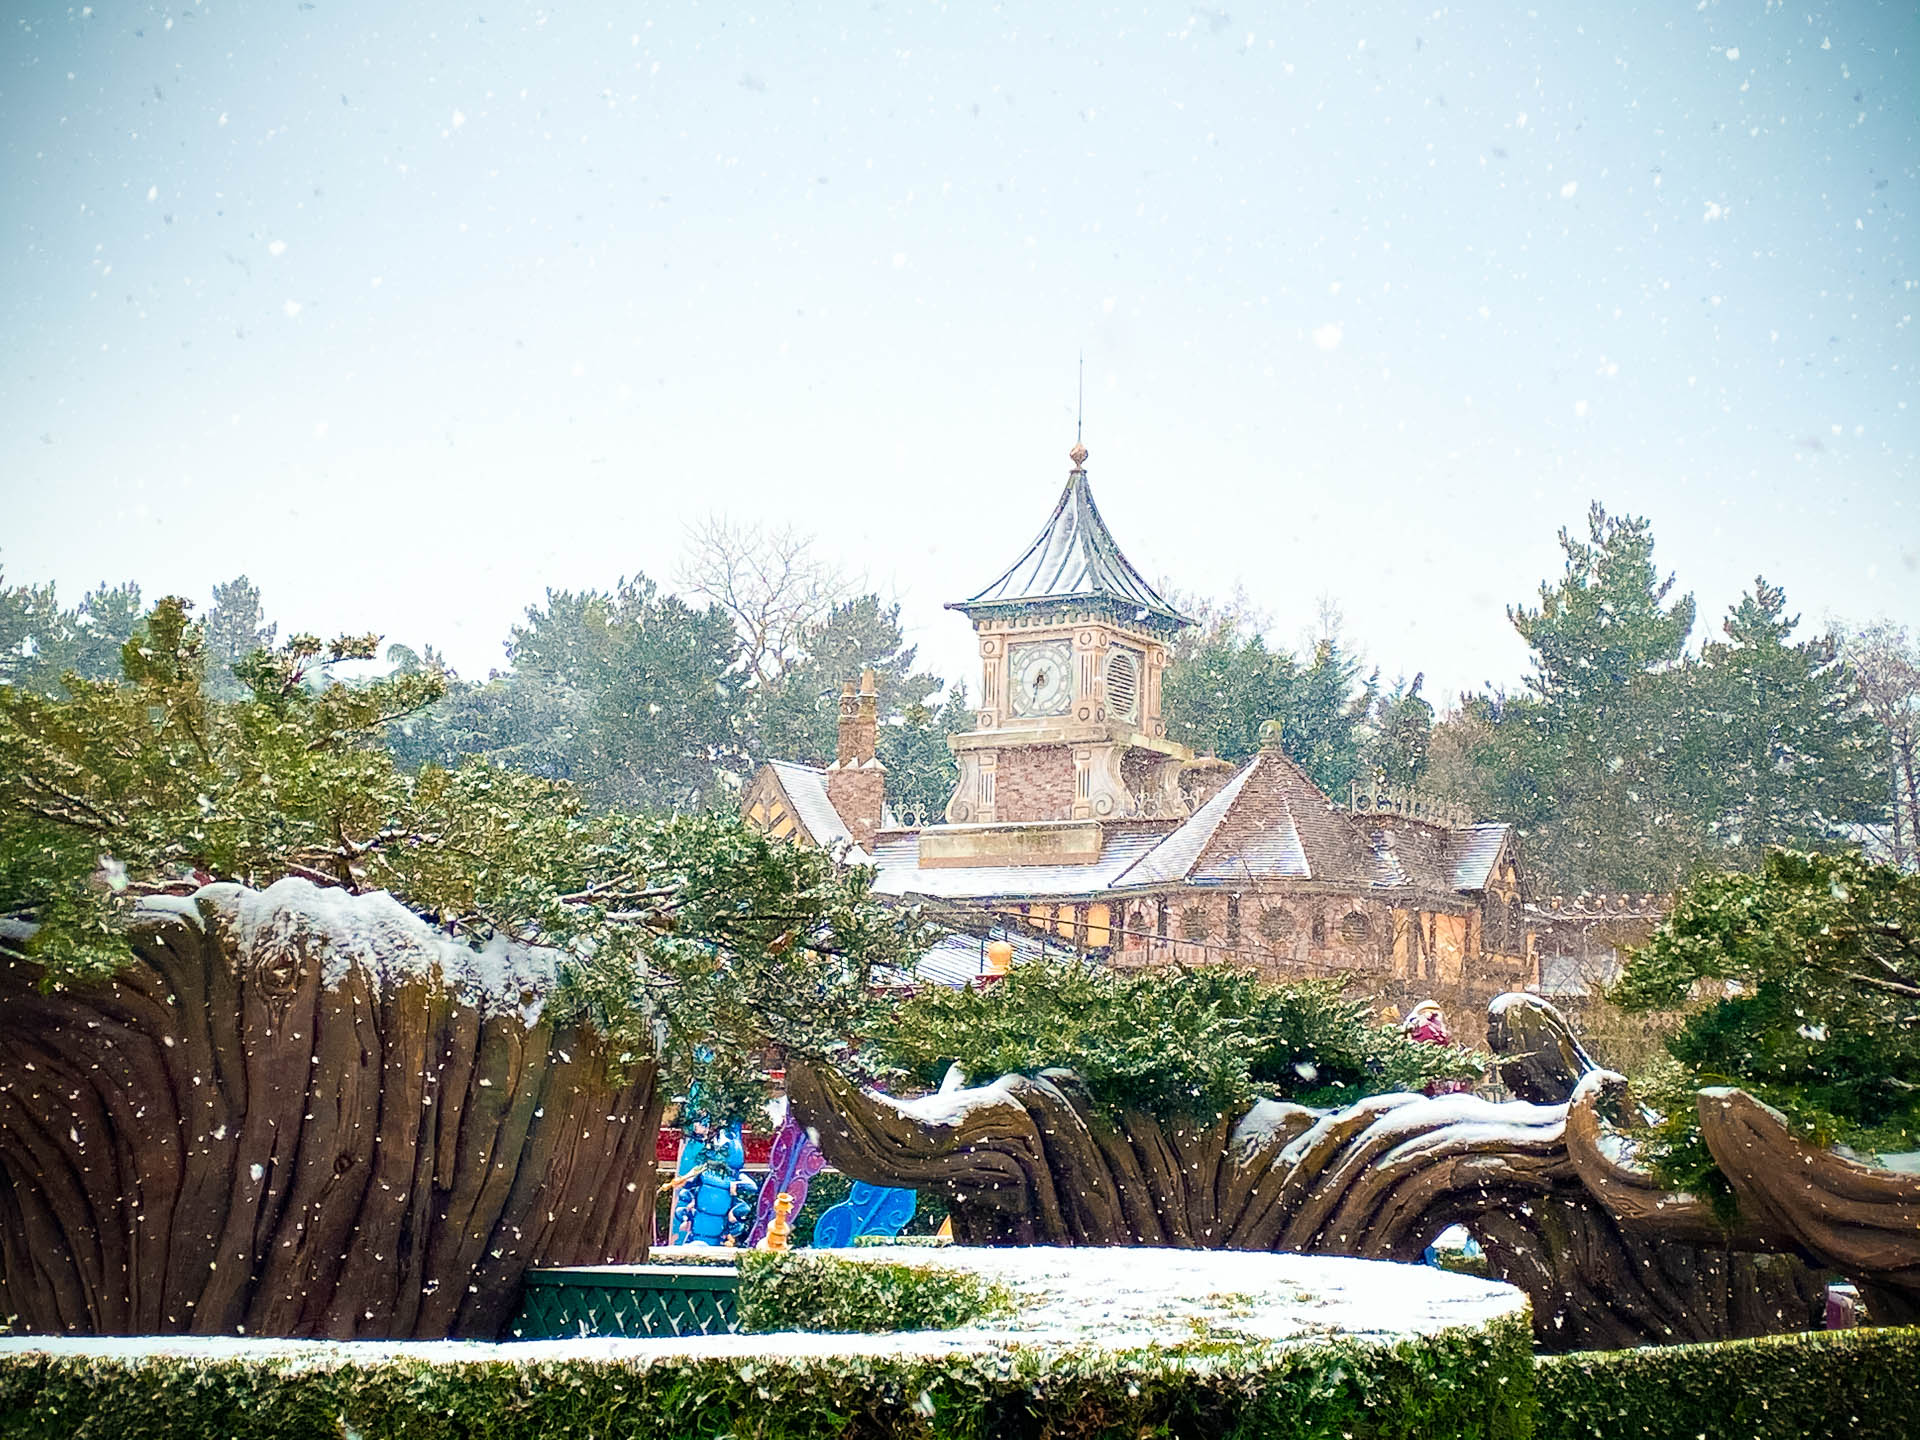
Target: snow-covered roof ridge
371 933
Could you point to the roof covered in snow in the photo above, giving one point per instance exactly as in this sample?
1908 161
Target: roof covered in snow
1270 822
1475 850
897 857
958 960
1075 558
806 791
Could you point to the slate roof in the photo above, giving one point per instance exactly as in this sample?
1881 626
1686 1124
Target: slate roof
1270 822
1412 853
1075 558
897 858
959 960
806 791
1474 850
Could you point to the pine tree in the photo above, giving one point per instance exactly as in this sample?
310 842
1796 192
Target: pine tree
1785 749
235 627
1814 972
1222 684
1589 761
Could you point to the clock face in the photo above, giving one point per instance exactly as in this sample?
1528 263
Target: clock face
1041 676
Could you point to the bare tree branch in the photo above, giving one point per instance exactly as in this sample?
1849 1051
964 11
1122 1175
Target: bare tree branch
770 582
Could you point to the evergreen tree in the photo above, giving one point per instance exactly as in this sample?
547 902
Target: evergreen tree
1400 735
1168 1040
692 925
1786 751
921 771
40 643
648 688
235 627
1814 970
1222 684
797 715
1590 762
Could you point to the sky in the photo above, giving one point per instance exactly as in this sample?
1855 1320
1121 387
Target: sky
409 312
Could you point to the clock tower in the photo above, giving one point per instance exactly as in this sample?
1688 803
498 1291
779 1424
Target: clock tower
1072 646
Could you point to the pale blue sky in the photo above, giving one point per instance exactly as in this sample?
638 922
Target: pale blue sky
409 311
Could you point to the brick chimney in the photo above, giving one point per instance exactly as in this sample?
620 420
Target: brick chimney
857 781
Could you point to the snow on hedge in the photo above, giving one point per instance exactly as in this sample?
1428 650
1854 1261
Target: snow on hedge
1096 1299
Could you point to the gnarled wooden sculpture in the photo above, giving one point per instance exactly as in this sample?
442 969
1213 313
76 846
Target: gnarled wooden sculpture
273 1125
1607 1257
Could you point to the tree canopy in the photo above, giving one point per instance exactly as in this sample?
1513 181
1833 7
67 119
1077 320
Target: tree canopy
1627 761
688 930
1811 968
1170 1040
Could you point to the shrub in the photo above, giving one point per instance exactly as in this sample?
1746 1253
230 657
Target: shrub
1141 1363
1859 1384
805 1290
1169 1040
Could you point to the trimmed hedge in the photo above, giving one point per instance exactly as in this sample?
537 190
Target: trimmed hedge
1860 1384
1208 1374
1467 1383
1162 1347
802 1290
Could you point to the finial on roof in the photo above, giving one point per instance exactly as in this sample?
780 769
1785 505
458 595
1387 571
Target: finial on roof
1270 733
1079 452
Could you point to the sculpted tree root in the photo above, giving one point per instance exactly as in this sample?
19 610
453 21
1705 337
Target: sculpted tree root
1608 1258
264 1127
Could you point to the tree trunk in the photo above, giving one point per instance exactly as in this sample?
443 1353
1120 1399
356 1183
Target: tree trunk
1607 1258
256 1128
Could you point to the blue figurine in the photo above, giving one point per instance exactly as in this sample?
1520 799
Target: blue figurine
867 1210
713 1199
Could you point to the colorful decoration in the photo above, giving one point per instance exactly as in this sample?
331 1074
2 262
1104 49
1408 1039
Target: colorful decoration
1426 1025
867 1210
780 1232
713 1202
791 1163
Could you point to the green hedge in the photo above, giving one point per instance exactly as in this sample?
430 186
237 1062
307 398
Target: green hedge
1861 1384
1029 1362
1465 1383
813 1290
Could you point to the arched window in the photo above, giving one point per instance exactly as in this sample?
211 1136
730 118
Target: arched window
1277 925
1355 929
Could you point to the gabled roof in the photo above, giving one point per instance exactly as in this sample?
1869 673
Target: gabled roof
1475 849
806 790
1270 822
1075 558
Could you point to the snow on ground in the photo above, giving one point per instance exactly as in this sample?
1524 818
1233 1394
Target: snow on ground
1108 1299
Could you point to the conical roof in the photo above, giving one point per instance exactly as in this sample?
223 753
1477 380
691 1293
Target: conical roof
1075 558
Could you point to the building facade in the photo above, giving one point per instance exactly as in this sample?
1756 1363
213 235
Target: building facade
1077 821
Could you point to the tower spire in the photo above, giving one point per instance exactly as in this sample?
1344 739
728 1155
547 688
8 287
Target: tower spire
1079 452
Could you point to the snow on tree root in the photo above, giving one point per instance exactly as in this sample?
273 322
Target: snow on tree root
304 1113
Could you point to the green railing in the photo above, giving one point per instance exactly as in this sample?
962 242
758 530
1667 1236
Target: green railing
635 1300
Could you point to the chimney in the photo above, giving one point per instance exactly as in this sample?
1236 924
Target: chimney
857 781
